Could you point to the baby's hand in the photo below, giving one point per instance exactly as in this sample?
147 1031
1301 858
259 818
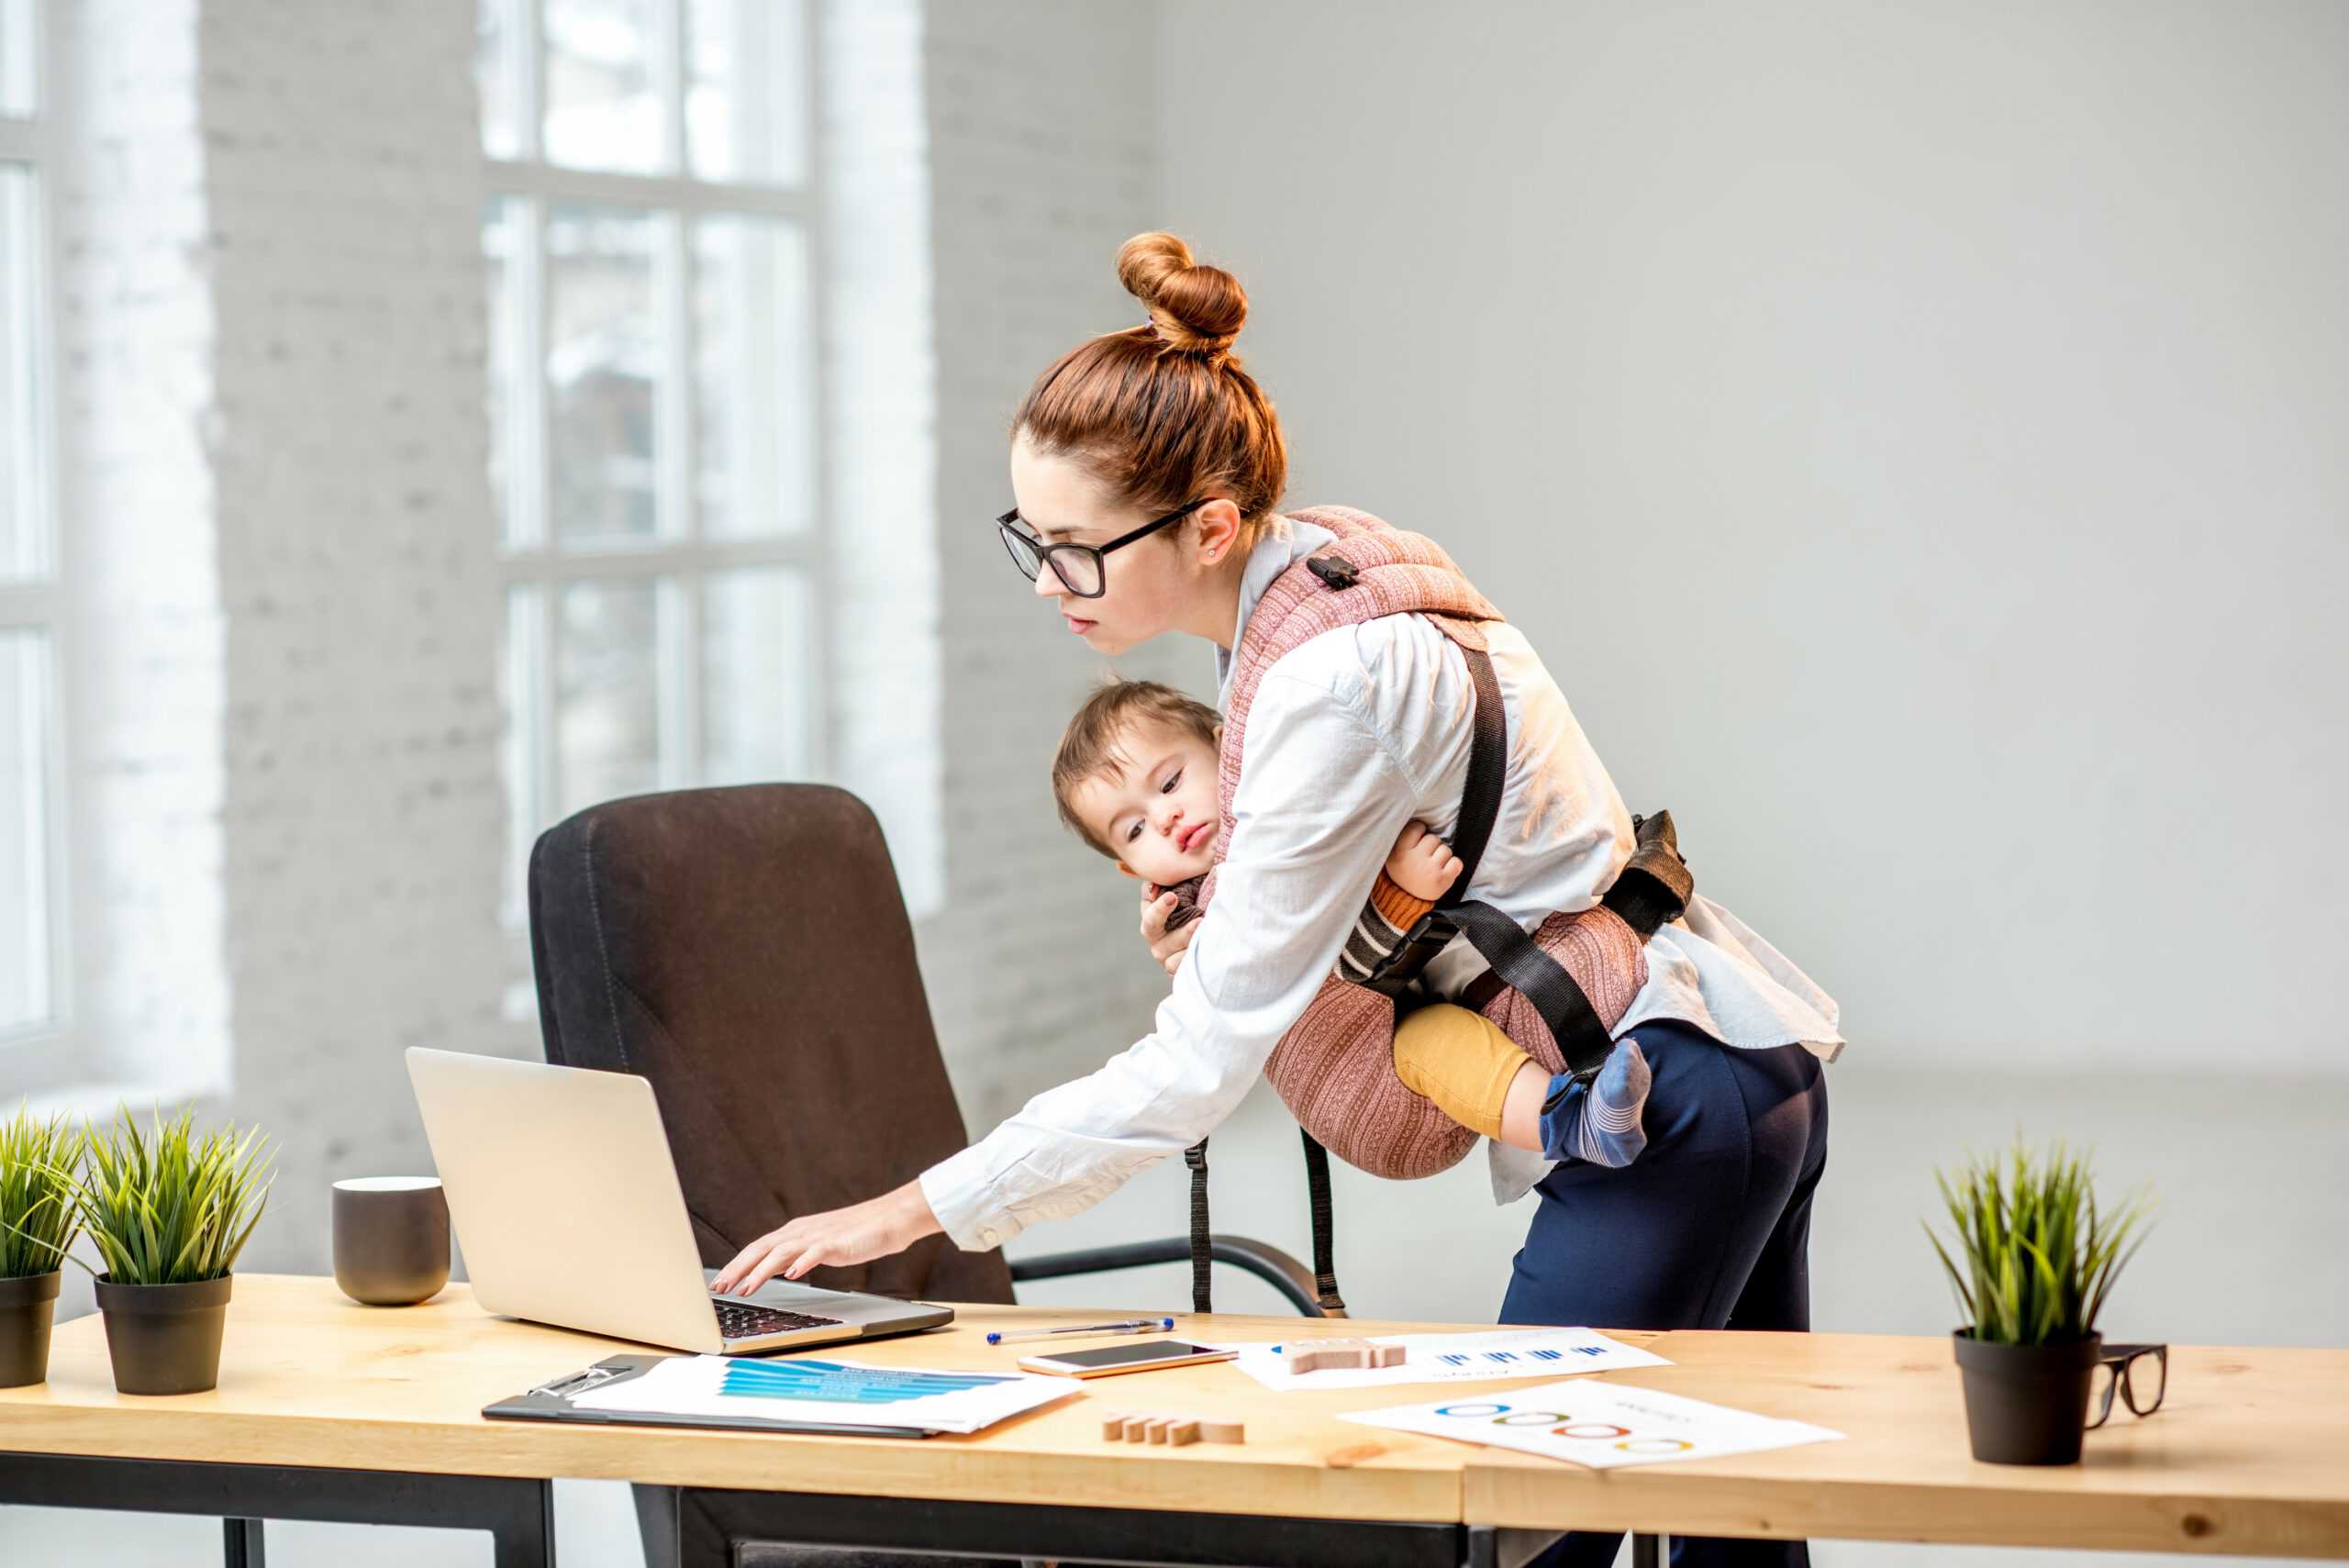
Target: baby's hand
1422 865
1165 946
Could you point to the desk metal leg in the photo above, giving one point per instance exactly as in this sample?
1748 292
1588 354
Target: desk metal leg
517 1512
242 1545
1650 1550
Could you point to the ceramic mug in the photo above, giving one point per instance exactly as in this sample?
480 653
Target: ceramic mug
391 1238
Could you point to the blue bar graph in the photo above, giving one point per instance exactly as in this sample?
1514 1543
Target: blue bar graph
833 1383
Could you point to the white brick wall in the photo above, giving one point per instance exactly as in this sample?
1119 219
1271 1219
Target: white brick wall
1040 165
363 817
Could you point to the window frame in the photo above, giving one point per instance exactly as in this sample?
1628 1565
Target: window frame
681 558
42 1053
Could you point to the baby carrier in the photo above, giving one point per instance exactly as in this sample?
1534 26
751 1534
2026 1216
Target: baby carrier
1557 994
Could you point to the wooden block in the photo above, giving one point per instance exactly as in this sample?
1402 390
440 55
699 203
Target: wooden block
1137 1429
1183 1431
1215 1432
1155 1430
1113 1426
1312 1355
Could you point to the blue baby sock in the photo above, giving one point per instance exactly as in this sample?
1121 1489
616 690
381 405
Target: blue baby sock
1599 1121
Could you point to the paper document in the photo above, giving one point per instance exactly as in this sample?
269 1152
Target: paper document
834 1393
1600 1425
1457 1357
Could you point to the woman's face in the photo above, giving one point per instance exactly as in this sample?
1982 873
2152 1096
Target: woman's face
1173 580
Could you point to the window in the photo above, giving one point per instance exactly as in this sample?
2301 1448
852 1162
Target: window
652 368
30 1006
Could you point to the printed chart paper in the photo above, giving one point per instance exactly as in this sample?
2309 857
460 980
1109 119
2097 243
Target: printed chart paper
836 1393
1600 1425
1458 1358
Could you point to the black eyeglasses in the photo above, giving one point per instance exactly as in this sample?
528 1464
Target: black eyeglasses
1078 566
2124 1368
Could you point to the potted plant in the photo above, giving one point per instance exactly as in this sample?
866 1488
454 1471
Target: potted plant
37 1226
168 1213
2035 1259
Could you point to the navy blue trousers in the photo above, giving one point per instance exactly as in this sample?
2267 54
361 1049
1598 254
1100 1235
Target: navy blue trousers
1710 1228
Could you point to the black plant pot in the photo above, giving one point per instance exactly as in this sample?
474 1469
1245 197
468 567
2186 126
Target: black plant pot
165 1339
2026 1404
27 1306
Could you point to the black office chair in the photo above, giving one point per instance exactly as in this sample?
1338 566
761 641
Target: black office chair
746 950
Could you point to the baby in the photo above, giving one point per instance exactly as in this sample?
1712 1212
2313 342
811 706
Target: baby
1136 776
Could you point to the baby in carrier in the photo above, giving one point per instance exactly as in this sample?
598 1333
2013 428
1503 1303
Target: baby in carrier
1136 778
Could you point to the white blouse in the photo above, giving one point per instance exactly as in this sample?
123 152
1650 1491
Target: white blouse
1351 736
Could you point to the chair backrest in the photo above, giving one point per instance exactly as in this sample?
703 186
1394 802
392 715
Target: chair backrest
746 950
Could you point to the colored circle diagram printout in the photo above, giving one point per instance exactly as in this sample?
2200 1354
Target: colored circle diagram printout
1599 1424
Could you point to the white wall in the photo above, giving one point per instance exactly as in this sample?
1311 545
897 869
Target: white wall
1041 167
1912 435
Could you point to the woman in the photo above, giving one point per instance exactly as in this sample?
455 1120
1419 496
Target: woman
1156 448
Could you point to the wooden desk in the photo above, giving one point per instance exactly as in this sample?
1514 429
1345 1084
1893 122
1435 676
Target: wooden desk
2250 1455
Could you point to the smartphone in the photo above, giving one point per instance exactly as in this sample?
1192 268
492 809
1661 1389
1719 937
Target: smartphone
1105 1361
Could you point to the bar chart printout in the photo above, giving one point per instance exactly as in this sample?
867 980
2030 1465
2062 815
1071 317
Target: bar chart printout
1459 1358
829 1392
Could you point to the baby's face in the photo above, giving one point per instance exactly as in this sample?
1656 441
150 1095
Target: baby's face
1159 810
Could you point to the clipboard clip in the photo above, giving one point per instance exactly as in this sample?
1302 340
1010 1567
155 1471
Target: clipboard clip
581 1382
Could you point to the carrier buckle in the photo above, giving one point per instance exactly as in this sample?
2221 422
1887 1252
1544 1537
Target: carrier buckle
1334 570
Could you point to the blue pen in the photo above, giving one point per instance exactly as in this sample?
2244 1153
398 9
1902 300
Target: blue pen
1132 1325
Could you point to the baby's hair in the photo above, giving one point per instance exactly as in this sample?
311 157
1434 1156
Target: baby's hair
1089 746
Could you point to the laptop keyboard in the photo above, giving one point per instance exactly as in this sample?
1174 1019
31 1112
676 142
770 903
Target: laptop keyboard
745 1320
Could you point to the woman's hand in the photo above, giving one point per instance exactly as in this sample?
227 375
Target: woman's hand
861 1231
1165 946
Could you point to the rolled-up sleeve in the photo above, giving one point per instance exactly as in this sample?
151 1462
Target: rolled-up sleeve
1314 818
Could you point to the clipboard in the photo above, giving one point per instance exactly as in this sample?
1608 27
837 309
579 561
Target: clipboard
552 1402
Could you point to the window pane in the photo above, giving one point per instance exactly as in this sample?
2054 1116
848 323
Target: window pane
24 828
751 372
602 110
496 68
744 102
504 237
18 75
22 512
755 676
603 368
608 690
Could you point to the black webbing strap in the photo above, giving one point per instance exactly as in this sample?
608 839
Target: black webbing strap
1547 984
1202 1249
1325 1267
1480 795
1480 804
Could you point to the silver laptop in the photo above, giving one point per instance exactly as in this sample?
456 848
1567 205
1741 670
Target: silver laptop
568 1212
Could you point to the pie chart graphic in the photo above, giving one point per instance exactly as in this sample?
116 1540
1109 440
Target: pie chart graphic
1655 1445
1592 1432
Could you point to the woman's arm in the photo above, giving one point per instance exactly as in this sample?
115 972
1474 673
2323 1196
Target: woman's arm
1315 816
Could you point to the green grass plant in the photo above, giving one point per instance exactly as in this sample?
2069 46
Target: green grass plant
165 1206
37 1214
2034 1257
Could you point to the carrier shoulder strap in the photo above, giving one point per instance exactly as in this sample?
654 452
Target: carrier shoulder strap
1202 1243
